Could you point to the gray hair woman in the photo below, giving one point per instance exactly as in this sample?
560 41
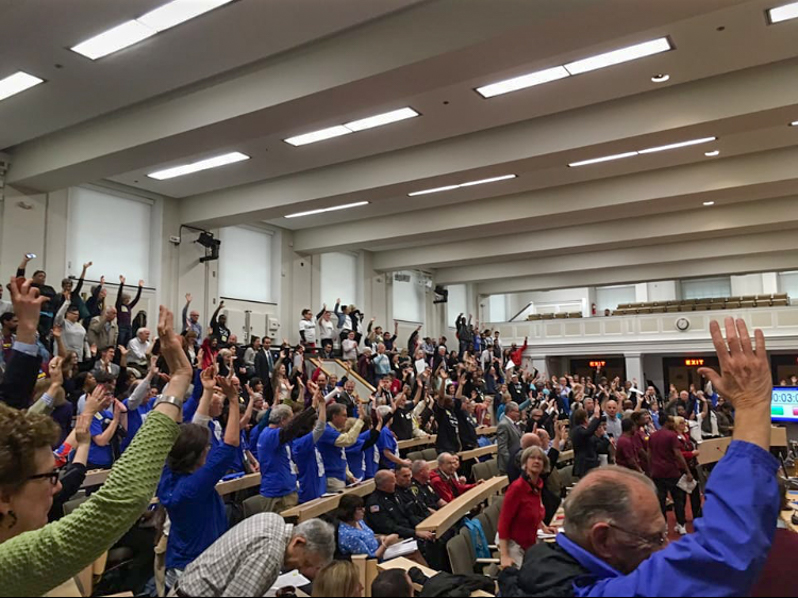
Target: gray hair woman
523 512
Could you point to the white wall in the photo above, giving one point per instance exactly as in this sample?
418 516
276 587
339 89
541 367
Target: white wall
663 290
748 284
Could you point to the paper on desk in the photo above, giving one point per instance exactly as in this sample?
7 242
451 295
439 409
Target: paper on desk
686 486
292 578
401 549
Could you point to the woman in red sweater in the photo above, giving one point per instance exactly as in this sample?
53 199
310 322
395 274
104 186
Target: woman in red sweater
522 511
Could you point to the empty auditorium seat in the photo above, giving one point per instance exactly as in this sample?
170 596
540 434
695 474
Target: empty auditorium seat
429 454
416 456
780 302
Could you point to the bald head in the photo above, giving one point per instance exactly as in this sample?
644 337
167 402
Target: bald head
530 440
609 513
385 480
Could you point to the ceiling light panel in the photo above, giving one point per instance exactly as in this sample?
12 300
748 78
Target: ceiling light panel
178 11
355 126
381 119
333 209
630 53
794 124
523 82
662 148
315 136
604 159
783 13
17 83
185 169
137 30
113 40
468 184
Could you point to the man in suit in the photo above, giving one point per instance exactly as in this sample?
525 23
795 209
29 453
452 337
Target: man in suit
264 367
508 435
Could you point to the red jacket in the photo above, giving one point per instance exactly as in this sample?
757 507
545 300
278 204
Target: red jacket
518 355
522 513
448 490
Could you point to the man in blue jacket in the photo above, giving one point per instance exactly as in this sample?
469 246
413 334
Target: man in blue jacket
615 541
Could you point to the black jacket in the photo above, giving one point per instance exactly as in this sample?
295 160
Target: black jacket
585 455
547 571
20 378
386 515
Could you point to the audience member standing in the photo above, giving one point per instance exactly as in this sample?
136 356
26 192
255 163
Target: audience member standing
667 467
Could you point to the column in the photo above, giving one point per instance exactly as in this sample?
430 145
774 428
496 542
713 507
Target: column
634 367
539 363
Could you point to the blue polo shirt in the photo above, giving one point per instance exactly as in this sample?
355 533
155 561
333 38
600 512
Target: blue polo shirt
100 455
135 419
310 468
278 477
334 456
356 456
196 510
388 441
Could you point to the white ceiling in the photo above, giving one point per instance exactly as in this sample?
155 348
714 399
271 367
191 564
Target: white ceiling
277 68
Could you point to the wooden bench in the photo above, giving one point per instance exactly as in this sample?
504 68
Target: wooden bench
476 453
414 442
325 504
407 564
441 521
712 451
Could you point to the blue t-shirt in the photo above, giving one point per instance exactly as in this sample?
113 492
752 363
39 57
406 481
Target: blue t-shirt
100 455
238 464
196 510
372 461
310 468
352 540
356 456
278 477
387 440
334 456
135 419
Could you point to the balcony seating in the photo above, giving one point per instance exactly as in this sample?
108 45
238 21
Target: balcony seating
707 304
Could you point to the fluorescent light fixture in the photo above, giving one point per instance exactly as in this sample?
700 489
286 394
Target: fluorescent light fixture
661 78
601 61
709 203
794 124
334 209
662 148
381 119
17 83
491 180
185 169
353 127
468 184
178 11
435 190
315 136
522 82
114 40
712 154
604 159
783 13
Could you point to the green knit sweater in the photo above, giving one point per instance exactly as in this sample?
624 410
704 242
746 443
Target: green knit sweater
35 562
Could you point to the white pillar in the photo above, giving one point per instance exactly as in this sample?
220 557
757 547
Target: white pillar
770 283
634 367
539 363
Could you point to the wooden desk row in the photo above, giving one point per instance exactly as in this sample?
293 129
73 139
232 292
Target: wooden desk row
427 440
445 518
712 451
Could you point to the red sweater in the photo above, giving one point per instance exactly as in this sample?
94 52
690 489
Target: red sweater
518 355
522 512
449 489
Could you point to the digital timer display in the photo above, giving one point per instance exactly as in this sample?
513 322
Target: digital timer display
784 405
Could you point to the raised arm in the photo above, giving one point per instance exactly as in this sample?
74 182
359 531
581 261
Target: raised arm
119 294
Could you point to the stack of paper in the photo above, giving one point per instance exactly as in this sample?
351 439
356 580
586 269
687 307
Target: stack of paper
400 549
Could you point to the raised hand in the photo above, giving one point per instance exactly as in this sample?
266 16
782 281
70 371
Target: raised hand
88 265
56 373
94 402
228 387
122 350
56 331
188 297
27 307
121 279
82 425
141 283
208 378
746 380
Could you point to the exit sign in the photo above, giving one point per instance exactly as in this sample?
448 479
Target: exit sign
693 362
598 364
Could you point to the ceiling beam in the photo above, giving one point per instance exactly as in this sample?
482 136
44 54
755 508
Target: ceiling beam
609 276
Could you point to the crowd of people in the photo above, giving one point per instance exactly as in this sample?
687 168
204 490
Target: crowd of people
86 387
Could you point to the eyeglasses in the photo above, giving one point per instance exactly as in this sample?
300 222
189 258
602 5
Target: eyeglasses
51 475
658 540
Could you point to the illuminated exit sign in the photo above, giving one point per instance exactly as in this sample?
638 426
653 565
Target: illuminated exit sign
598 364
693 362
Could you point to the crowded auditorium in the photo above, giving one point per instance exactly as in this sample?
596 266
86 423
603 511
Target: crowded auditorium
399 298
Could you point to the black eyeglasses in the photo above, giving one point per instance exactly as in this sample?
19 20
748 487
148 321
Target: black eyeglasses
51 475
659 540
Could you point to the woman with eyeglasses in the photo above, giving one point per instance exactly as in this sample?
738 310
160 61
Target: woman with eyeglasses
354 536
36 556
522 512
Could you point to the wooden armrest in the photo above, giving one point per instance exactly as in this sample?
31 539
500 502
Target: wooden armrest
488 561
